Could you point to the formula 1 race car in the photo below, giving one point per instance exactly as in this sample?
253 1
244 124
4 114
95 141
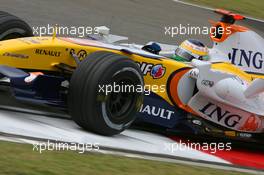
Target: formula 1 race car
104 86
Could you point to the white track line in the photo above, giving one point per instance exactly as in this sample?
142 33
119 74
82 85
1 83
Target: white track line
212 9
34 112
66 130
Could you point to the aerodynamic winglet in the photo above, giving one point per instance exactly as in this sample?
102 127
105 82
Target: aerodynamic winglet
11 72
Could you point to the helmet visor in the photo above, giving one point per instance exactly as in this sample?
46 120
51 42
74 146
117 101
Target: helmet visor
185 54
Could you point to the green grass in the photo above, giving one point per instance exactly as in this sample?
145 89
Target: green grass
20 159
253 8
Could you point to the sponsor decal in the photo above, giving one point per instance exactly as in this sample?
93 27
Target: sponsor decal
251 124
48 52
81 53
194 73
156 71
156 111
207 83
244 135
221 115
230 133
16 55
246 58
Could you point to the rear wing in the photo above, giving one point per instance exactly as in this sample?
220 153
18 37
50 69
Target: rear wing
226 26
229 17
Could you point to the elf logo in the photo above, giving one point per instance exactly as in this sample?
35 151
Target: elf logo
243 58
156 111
218 114
156 71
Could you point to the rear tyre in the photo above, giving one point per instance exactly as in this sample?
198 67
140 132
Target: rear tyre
12 27
94 109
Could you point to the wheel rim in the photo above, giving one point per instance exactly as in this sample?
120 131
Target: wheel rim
119 103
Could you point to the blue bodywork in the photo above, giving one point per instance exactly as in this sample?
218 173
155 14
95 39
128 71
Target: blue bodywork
44 89
47 89
157 111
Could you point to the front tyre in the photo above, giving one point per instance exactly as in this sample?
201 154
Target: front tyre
94 104
12 27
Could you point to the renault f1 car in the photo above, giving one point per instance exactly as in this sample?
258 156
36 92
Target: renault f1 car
105 86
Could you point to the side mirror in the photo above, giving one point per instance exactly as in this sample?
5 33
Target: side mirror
103 30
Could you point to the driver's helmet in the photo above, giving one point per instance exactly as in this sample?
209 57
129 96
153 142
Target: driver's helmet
191 49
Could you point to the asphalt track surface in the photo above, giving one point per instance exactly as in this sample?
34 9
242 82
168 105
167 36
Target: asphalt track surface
140 20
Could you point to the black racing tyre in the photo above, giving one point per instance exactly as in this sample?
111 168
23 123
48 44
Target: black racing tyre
13 27
100 111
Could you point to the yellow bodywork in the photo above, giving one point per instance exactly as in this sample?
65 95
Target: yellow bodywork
24 53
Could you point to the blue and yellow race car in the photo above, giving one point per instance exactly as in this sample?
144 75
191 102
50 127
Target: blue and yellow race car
106 86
